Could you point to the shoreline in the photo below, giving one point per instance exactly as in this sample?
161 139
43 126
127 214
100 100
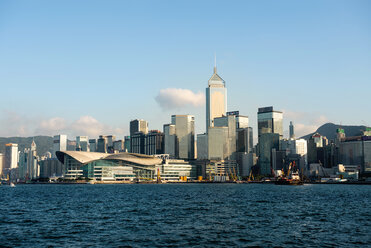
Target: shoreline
193 182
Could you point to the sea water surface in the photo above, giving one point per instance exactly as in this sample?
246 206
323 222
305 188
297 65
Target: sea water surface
185 215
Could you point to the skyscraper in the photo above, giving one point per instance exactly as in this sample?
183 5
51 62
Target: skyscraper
82 143
154 143
185 135
59 144
127 144
292 133
170 140
92 145
138 126
32 162
270 121
216 99
11 157
102 144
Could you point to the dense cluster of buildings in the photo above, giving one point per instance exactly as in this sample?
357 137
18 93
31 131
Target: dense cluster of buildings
224 152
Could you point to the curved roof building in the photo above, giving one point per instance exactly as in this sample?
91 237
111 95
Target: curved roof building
124 166
130 158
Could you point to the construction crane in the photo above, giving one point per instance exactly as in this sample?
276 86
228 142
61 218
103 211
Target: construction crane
289 170
234 174
251 176
158 176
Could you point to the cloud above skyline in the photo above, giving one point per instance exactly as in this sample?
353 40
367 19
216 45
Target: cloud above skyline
172 98
13 124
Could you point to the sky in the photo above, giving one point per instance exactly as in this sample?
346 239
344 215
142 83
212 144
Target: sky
89 67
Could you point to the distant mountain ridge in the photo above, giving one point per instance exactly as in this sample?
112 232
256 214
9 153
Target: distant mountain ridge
43 143
329 130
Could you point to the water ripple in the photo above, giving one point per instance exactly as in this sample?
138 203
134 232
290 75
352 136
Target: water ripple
190 215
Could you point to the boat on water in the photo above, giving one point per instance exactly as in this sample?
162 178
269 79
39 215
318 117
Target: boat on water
12 185
292 178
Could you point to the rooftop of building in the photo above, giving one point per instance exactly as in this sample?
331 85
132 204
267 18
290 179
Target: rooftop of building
87 157
268 110
216 79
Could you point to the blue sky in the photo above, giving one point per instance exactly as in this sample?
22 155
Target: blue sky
89 67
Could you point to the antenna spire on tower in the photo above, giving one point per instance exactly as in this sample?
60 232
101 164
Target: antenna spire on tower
214 62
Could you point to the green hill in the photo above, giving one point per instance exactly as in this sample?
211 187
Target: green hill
329 130
43 143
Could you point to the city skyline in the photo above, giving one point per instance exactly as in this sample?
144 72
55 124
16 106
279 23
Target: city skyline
92 76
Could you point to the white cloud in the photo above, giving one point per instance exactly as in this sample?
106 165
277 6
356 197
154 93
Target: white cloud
87 125
51 126
172 98
13 124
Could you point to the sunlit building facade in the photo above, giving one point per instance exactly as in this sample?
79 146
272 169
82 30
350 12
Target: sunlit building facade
216 99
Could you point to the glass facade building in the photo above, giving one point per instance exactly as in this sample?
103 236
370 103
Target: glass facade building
270 121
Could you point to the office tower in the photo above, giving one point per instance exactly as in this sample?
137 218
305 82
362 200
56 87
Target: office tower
82 143
202 146
127 144
242 121
110 140
138 126
298 147
292 133
245 140
228 121
102 144
50 168
185 135
33 161
10 158
218 145
318 139
28 166
267 142
118 146
137 142
356 152
154 143
59 143
216 99
92 145
270 121
170 140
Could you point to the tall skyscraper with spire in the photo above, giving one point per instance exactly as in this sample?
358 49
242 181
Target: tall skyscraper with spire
216 99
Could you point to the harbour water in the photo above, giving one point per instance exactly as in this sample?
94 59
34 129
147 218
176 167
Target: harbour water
185 215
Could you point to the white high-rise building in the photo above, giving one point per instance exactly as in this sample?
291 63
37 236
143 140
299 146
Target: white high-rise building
32 162
59 143
82 143
11 157
216 99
